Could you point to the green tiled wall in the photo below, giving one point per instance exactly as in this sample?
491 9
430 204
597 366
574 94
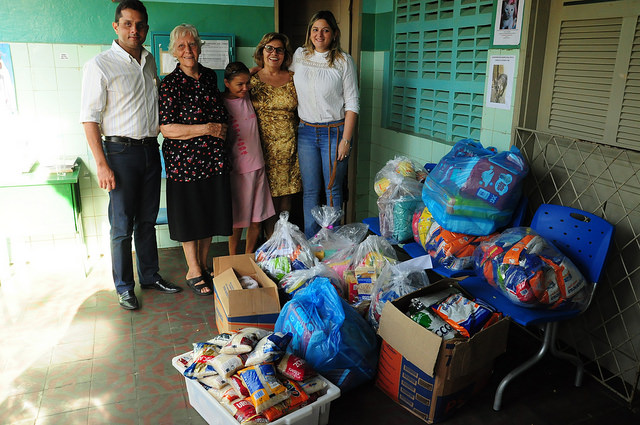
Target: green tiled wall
89 21
376 144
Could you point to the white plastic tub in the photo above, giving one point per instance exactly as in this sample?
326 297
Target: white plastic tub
317 413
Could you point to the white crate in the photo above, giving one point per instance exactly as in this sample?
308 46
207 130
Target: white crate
317 413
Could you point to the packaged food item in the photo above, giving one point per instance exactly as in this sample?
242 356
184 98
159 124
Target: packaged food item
214 381
393 283
245 413
247 282
422 221
475 190
465 316
286 250
298 279
531 272
225 394
263 386
238 385
244 340
269 349
294 367
425 317
201 365
221 340
297 399
397 206
313 385
451 250
398 166
228 364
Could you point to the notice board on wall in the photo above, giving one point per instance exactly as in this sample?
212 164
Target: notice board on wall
217 52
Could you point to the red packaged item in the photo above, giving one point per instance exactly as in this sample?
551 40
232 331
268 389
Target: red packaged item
246 414
294 367
238 384
298 398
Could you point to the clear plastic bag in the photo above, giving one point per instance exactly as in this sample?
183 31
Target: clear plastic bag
531 272
326 241
473 190
398 166
396 208
286 250
298 279
393 283
341 259
374 251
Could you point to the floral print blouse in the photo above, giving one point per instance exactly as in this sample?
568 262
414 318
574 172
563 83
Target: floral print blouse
185 100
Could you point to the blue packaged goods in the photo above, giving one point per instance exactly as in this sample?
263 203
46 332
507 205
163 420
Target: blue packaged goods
474 190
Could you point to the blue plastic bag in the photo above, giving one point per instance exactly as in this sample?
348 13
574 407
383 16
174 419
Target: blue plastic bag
330 335
474 190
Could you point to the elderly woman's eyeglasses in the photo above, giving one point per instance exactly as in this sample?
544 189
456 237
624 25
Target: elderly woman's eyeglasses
270 49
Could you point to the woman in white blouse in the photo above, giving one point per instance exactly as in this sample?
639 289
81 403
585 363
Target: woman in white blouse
328 105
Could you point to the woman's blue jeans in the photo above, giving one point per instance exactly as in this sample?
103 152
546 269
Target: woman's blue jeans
316 152
133 211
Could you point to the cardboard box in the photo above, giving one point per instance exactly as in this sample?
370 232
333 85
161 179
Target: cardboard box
423 373
238 308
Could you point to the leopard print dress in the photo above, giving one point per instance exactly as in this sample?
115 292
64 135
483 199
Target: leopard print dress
277 119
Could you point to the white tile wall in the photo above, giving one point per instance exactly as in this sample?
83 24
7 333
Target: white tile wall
48 85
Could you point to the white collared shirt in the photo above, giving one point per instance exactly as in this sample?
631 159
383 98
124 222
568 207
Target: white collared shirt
324 92
121 94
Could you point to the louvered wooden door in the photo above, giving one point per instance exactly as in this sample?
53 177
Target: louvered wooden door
591 78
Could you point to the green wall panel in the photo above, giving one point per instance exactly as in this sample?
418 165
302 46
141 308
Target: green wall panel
384 29
376 31
89 21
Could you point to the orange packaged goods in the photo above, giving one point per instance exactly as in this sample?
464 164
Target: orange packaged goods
297 399
264 387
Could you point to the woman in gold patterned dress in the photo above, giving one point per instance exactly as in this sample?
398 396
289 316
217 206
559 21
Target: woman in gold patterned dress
275 101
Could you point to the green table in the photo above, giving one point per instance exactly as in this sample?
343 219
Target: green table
40 203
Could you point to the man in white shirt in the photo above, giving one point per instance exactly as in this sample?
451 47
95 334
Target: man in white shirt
120 101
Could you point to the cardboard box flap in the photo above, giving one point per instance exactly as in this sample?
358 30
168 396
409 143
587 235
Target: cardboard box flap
417 344
471 354
237 262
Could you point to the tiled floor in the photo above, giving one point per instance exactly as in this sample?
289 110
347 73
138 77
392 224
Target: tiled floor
70 355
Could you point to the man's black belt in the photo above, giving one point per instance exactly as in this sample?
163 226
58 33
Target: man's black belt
131 141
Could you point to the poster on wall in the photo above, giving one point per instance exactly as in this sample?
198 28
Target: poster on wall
500 81
508 23
8 104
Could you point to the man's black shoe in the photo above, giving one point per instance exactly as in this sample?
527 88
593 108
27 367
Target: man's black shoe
128 300
162 286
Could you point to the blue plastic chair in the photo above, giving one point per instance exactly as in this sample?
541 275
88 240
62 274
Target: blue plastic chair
585 239
162 212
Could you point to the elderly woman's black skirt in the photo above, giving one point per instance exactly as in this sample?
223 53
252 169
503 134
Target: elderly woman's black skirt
199 209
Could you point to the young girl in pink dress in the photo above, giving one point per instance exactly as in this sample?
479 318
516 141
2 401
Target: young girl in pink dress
250 194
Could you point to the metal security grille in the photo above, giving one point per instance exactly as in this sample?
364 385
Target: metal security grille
605 181
439 66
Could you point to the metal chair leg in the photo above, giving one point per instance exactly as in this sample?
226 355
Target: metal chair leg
547 343
569 357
